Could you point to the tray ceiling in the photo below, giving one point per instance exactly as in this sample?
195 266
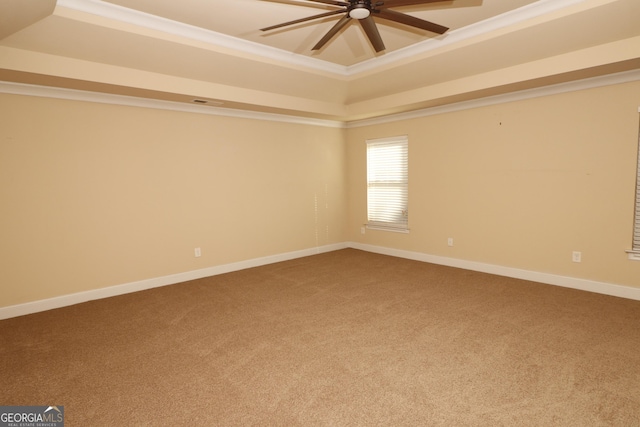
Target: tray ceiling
213 49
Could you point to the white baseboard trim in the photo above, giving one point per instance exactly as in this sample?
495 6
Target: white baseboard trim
94 294
534 276
546 278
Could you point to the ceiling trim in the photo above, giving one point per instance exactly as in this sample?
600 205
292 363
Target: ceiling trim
145 20
131 101
157 23
584 84
104 98
522 14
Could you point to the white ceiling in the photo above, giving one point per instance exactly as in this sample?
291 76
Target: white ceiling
244 18
214 49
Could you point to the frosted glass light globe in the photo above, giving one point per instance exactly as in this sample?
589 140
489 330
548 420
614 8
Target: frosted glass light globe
359 13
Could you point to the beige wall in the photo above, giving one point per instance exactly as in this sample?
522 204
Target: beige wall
98 195
520 184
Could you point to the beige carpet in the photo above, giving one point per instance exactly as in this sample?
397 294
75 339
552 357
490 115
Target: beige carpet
339 339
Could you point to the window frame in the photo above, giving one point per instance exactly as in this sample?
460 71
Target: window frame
634 253
377 221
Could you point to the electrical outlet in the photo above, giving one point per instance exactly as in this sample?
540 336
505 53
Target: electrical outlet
450 241
362 230
197 252
576 256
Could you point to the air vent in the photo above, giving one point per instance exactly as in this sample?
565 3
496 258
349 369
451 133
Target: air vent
207 102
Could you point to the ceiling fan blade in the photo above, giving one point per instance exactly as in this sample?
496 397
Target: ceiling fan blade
370 29
397 3
332 32
309 18
411 21
332 2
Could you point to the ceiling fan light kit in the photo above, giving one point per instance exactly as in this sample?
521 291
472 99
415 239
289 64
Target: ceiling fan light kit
363 11
360 11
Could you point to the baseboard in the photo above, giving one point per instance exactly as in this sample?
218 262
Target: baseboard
94 294
549 279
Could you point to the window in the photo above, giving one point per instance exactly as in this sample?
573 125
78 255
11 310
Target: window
387 184
635 252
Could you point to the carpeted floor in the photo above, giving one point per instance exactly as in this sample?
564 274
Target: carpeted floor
346 338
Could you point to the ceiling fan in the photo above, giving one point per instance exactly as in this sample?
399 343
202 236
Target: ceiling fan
363 11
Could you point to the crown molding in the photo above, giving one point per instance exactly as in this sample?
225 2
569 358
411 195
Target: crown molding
130 101
105 98
157 23
590 83
522 14
145 20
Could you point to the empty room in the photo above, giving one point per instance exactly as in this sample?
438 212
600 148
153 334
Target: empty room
320 212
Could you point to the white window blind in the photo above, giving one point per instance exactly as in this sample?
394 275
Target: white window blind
636 229
388 183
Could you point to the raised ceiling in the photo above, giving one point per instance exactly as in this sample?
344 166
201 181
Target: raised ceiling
244 18
214 50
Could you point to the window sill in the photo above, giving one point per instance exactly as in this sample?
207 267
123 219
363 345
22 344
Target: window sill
387 228
634 255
